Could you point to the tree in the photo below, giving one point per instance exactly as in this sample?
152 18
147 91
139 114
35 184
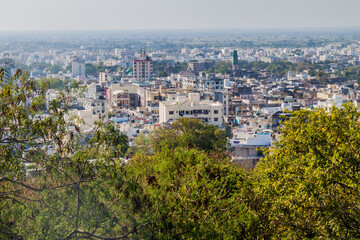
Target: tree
53 83
163 74
322 76
56 182
189 133
192 195
223 67
308 183
180 67
55 69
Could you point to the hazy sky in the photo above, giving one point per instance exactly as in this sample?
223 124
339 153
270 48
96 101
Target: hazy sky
176 14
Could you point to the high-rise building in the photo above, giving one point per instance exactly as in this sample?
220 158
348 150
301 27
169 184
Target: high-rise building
8 65
142 67
78 67
235 60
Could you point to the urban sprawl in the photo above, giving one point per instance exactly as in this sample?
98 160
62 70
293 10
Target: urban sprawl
245 90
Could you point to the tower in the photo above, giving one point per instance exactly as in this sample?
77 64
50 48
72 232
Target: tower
235 60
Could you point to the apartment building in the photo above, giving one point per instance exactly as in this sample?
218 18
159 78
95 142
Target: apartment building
191 107
142 67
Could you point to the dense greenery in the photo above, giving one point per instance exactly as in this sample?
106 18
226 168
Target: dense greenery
95 69
53 83
54 69
309 181
178 183
162 67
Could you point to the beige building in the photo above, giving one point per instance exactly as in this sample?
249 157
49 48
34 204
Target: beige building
191 107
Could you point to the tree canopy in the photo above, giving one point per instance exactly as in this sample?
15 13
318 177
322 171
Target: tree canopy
309 180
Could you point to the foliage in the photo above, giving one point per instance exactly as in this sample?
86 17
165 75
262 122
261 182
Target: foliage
309 180
53 83
322 76
180 67
192 195
159 66
40 65
222 67
95 69
55 69
56 182
189 133
163 74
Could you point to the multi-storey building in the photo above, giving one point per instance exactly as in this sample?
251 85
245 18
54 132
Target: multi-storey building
78 67
142 67
191 107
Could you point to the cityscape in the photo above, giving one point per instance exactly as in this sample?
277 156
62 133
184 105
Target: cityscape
184 133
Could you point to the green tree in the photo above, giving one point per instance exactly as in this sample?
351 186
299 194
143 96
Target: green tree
191 133
192 195
308 183
223 67
40 65
163 74
53 83
56 182
55 69
180 67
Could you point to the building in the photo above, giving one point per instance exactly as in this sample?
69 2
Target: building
142 67
235 60
248 146
121 99
197 67
78 67
96 100
104 78
9 67
191 107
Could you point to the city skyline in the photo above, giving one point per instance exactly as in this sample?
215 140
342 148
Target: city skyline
161 14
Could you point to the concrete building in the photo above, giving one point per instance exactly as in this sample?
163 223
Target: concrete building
191 107
121 99
142 67
96 100
197 67
78 67
247 146
9 67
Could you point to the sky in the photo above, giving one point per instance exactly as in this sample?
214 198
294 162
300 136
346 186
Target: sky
46 15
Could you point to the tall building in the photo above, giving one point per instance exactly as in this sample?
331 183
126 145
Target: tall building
235 60
8 65
142 67
235 63
78 67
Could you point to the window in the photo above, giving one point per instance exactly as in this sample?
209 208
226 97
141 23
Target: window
216 119
216 111
171 112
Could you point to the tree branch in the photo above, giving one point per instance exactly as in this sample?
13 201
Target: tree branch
96 236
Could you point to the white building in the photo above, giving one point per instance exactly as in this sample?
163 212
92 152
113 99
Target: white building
78 67
191 107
